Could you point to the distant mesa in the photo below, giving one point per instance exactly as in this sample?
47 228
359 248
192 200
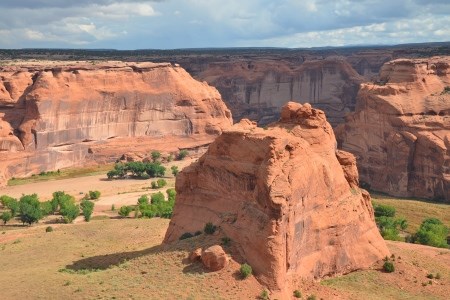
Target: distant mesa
55 115
286 196
400 131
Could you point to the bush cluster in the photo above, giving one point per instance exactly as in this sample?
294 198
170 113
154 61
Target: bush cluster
137 169
245 270
432 232
160 183
388 225
155 206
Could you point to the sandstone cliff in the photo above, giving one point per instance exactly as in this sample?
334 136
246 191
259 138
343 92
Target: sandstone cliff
257 89
400 132
54 115
285 196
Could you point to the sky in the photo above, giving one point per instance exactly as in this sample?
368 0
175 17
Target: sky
171 24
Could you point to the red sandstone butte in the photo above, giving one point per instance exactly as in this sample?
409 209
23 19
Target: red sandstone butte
56 115
400 131
282 195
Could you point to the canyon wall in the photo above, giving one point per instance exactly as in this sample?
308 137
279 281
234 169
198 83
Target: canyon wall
400 132
258 88
54 115
287 198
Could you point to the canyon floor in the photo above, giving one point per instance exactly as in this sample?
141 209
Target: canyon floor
115 258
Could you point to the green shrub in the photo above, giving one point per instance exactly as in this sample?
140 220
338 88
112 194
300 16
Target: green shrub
170 157
297 294
382 210
60 199
438 276
113 207
171 194
156 155
182 154
157 198
210 228
94 195
161 183
174 170
125 211
311 297
69 212
143 200
186 235
432 232
87 208
245 270
6 216
430 276
46 208
197 233
49 229
264 295
226 241
154 185
388 267
30 209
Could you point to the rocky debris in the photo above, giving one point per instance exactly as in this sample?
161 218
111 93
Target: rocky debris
283 197
195 255
58 112
400 132
214 258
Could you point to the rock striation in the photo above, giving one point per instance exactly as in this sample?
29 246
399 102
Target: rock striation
400 132
285 196
257 89
54 115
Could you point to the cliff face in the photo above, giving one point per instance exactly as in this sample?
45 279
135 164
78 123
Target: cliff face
53 110
258 89
400 132
285 196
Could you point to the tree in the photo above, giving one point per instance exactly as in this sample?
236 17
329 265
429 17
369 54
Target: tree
69 212
46 208
161 183
384 210
156 155
174 170
60 199
87 207
171 194
30 209
11 203
432 232
6 216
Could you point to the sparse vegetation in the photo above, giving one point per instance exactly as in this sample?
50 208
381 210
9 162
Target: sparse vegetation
297 294
264 295
311 297
226 241
94 195
160 183
446 90
156 155
388 266
124 211
174 170
182 154
49 229
186 235
210 228
245 270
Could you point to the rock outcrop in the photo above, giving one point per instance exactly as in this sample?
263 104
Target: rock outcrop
55 115
214 258
400 132
257 89
283 197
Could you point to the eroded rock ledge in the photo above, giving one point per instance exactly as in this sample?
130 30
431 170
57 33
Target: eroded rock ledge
285 196
400 132
53 115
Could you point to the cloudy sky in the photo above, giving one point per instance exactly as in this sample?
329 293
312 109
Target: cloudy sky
166 24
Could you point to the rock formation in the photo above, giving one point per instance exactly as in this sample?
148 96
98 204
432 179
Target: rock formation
400 132
56 115
284 196
258 89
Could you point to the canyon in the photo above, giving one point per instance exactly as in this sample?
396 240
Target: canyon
62 114
286 197
400 131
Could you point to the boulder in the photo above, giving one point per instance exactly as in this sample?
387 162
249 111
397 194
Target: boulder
281 194
195 255
214 258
